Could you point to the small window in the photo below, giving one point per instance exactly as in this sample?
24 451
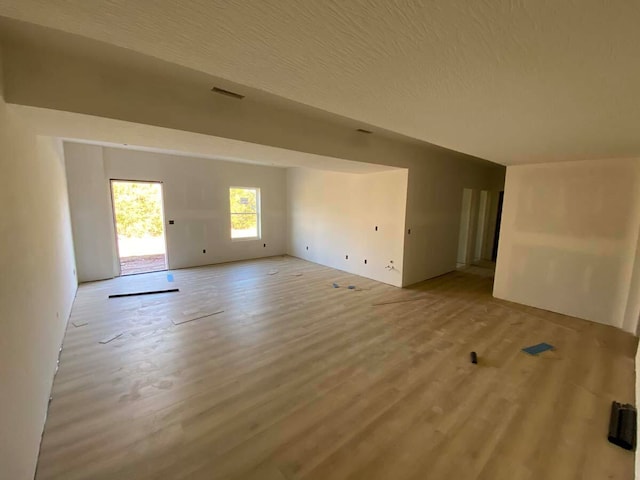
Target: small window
244 205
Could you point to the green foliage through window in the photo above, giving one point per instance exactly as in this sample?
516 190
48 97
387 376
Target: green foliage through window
244 205
138 209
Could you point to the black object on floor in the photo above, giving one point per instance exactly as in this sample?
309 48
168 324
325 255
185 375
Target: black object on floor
622 425
474 357
118 295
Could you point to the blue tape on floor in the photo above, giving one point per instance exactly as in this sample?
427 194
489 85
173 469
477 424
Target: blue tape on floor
536 349
170 277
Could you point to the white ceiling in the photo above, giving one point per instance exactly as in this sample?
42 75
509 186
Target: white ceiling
511 81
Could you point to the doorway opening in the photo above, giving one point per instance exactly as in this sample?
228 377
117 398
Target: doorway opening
479 228
139 218
464 234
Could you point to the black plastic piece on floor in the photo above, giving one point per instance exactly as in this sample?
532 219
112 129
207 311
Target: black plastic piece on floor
622 425
474 357
118 295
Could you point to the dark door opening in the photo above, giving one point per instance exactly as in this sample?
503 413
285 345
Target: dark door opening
139 219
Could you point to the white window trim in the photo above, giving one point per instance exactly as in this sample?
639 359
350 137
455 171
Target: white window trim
258 214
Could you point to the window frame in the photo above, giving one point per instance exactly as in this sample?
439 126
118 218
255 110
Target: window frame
258 215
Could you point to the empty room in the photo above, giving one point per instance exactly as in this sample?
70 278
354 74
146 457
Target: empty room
280 240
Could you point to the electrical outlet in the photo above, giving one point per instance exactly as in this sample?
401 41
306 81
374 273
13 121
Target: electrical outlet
204 251
365 261
409 232
376 228
264 245
346 257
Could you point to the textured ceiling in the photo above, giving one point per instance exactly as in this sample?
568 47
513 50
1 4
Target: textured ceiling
508 81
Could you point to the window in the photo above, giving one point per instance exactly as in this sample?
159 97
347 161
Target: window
244 205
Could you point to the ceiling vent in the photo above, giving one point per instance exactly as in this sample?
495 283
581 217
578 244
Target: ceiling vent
228 93
362 130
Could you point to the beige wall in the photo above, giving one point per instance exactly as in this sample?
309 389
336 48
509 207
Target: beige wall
37 287
196 197
335 215
569 239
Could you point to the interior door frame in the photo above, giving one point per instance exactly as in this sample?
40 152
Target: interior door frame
115 223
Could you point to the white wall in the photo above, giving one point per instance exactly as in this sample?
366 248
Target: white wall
140 90
335 215
91 213
569 238
196 198
37 287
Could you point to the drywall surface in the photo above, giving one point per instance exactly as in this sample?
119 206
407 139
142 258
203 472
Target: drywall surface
631 322
465 225
510 81
434 206
569 238
127 86
90 205
483 220
332 216
145 93
477 225
196 198
436 177
37 287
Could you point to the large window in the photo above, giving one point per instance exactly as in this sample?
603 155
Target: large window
244 205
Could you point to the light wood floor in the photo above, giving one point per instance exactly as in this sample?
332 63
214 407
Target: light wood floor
299 380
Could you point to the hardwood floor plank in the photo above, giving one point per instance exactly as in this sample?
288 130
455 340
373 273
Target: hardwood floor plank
300 380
